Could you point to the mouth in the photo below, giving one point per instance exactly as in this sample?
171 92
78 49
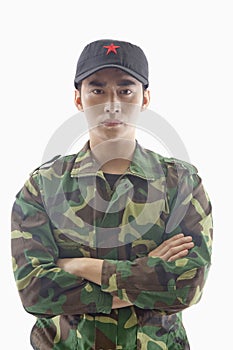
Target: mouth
112 122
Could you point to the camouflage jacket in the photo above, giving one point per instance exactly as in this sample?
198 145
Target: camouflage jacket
67 209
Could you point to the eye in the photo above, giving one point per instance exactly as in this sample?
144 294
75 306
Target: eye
98 91
126 92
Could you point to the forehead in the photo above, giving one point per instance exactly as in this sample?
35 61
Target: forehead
111 74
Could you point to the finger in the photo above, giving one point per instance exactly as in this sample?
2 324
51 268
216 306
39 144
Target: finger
179 255
163 249
166 245
175 251
169 244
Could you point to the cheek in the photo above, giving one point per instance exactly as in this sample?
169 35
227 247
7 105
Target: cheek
130 112
137 98
94 114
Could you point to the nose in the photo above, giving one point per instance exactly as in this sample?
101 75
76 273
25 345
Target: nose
112 108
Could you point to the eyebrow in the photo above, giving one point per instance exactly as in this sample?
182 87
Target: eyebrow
126 82
123 82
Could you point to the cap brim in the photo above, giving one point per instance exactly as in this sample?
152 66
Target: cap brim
82 76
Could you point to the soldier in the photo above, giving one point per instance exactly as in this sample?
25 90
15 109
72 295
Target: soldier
111 244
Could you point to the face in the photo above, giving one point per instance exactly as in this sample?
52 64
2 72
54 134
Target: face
111 100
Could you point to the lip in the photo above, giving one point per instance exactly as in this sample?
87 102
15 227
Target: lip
111 122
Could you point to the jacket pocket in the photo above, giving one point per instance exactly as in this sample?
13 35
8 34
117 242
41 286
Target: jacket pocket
157 331
55 333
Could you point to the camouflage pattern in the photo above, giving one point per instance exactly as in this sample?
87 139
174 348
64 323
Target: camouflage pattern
56 215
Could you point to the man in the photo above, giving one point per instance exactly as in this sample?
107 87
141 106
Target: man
110 244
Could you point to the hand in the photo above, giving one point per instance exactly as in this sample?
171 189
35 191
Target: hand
174 248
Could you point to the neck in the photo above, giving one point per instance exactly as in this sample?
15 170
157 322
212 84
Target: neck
114 156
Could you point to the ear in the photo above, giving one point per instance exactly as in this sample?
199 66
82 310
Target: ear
77 100
146 99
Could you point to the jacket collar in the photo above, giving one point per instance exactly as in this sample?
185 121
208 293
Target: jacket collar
145 164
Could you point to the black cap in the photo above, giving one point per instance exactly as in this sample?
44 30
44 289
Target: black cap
106 53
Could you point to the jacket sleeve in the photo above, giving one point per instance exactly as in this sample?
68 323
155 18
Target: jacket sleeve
150 282
45 289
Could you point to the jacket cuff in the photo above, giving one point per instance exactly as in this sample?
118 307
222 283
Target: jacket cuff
96 299
109 276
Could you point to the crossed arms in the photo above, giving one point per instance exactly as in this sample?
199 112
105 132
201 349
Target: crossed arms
91 269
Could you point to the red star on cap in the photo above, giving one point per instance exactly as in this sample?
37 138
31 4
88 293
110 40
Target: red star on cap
111 48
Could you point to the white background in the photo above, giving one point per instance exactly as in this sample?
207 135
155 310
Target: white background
189 48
